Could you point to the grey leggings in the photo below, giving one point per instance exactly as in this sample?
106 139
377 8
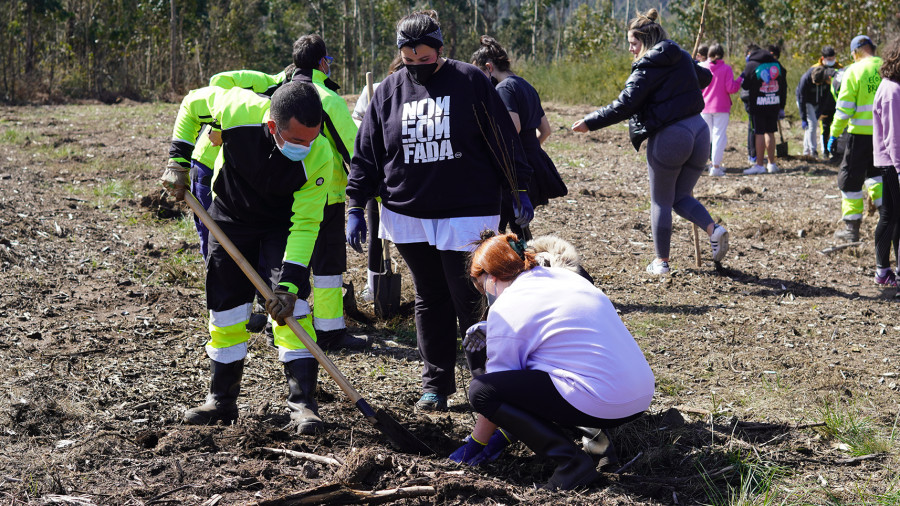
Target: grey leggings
676 157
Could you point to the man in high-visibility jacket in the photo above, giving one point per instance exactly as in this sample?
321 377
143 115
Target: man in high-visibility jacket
269 188
329 259
206 151
854 112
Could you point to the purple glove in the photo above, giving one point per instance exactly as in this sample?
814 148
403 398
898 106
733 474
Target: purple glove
526 213
356 228
468 451
498 442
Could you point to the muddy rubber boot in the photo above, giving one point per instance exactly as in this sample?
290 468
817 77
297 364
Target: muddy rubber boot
339 339
301 376
574 468
850 233
221 402
597 444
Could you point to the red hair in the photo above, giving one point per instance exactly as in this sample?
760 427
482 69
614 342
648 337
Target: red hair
496 256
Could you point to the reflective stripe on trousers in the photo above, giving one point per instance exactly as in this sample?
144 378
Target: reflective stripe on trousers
328 310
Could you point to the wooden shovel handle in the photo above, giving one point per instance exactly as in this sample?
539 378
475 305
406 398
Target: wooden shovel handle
267 292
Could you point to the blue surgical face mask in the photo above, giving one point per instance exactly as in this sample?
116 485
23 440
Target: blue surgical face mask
491 297
294 152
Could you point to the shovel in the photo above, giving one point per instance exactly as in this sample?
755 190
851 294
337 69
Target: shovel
402 438
781 148
387 285
387 282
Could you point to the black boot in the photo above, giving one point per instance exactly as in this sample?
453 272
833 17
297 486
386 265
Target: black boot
301 376
221 402
574 468
850 232
598 444
339 339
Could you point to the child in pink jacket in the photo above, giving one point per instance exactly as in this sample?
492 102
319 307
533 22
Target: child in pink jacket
718 104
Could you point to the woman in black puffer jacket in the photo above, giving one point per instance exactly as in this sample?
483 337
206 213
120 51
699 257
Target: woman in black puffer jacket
662 101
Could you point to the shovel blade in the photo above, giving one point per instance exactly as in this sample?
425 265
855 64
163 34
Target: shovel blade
781 149
402 438
387 294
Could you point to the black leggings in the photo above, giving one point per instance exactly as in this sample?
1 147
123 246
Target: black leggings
532 391
447 304
887 232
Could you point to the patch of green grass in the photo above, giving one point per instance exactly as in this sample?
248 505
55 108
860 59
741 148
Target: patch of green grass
668 386
752 482
859 433
113 190
643 326
596 82
16 135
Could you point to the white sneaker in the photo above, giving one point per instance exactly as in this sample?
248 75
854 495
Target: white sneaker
716 171
756 169
657 267
771 168
718 242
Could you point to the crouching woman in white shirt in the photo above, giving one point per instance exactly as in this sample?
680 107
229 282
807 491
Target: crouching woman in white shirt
558 356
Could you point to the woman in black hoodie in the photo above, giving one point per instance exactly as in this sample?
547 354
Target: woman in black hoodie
662 101
430 146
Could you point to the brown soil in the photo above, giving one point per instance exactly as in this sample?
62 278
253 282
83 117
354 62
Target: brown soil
103 315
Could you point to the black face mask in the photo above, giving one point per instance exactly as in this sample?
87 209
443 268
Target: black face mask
421 73
494 81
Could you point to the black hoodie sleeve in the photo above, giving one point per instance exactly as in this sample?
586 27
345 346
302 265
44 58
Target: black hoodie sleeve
365 175
704 76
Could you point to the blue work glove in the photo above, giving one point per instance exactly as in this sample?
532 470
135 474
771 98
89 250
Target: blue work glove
831 141
495 446
356 228
526 213
804 124
468 451
781 114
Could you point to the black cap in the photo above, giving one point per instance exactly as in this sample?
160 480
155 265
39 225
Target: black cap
827 51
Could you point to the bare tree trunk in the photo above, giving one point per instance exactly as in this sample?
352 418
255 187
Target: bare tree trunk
172 46
475 23
534 32
371 35
29 38
627 5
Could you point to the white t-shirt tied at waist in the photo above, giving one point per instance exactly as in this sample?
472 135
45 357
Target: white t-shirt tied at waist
446 234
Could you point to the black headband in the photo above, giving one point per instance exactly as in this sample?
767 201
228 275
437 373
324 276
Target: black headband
432 39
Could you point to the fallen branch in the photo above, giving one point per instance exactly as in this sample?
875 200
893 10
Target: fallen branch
828 251
667 481
696 411
212 501
303 455
339 494
170 492
748 426
857 460
628 464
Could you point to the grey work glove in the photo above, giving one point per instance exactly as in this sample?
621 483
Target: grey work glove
476 337
281 306
176 179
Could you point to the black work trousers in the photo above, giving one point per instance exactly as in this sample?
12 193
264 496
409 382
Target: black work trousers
447 304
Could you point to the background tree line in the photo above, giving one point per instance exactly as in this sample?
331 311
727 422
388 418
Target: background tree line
146 49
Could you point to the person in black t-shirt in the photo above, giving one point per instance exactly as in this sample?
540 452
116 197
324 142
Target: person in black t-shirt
524 106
